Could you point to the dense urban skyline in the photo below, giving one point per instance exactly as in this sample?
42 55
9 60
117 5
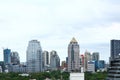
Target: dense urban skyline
54 23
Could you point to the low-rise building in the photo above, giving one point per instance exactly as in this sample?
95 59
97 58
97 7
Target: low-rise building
91 66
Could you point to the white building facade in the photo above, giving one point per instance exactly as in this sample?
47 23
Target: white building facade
91 66
77 76
34 56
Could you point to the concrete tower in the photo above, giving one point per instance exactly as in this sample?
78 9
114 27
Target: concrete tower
15 59
54 60
73 56
46 60
95 56
86 59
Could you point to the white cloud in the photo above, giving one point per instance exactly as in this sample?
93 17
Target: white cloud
54 23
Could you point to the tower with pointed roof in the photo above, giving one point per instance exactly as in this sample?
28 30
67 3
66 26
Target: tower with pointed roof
73 56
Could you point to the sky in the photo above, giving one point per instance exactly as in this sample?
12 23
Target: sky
55 22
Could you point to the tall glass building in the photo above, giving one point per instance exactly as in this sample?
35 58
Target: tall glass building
73 56
7 57
115 48
54 60
34 57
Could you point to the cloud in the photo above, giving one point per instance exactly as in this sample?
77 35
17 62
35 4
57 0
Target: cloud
54 23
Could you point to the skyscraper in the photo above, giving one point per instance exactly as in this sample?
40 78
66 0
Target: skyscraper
95 56
87 57
82 60
15 59
54 60
115 48
7 57
73 56
34 56
46 60
114 67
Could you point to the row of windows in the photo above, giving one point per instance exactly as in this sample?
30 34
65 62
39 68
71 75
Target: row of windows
114 68
114 76
115 72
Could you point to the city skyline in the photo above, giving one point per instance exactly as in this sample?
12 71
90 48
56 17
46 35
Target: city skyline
54 23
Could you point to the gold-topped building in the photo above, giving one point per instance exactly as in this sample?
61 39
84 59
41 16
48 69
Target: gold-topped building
73 40
73 56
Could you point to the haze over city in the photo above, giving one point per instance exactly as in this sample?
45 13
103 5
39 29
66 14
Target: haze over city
93 23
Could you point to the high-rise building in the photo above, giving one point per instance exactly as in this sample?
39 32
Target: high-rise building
114 67
63 65
46 58
73 56
15 59
46 61
2 64
115 48
82 60
66 61
95 56
7 57
101 64
54 60
34 56
87 57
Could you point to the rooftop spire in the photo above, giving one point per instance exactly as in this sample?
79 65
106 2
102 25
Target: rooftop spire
73 40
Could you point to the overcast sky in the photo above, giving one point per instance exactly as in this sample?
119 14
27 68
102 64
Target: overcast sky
54 22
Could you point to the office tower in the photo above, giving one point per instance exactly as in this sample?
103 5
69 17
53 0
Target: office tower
73 56
46 60
54 60
2 64
0 69
15 59
34 56
7 58
95 56
101 64
87 57
115 48
114 67
82 60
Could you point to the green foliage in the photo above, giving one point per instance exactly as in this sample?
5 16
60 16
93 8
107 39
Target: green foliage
53 75
95 76
12 76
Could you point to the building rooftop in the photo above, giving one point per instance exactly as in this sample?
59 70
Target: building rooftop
73 40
